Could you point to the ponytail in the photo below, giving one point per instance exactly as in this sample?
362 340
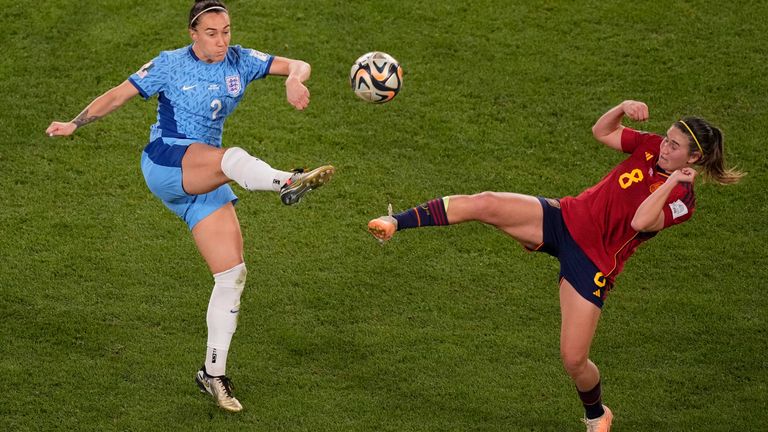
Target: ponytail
709 143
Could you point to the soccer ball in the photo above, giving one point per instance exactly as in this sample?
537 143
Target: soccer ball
376 77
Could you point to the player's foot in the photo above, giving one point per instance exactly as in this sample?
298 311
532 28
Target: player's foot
383 227
600 424
302 182
220 387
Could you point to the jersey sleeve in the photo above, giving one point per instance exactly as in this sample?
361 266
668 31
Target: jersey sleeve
256 64
632 141
680 205
152 77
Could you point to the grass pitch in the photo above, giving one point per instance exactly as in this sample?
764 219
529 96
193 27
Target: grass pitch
103 295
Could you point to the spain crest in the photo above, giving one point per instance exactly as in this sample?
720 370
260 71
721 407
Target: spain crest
233 85
655 186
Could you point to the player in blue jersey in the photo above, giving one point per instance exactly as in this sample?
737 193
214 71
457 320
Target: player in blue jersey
198 86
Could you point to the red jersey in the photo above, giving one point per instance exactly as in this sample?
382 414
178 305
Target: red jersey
600 218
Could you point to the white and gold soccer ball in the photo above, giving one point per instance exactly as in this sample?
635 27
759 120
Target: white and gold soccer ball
376 77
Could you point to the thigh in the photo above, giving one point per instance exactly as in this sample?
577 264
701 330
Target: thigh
579 322
201 169
219 240
520 216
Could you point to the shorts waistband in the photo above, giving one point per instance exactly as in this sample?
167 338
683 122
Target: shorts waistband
165 154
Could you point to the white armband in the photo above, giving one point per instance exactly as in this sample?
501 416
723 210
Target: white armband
678 209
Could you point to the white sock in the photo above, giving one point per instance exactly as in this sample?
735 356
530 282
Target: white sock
223 309
215 361
251 173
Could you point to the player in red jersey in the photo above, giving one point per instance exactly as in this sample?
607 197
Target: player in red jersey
594 233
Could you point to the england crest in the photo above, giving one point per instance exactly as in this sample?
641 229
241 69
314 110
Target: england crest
233 85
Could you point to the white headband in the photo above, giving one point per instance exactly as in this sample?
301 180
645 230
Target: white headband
204 11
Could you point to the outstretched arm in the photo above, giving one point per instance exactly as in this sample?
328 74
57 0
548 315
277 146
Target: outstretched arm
608 128
649 217
297 72
100 107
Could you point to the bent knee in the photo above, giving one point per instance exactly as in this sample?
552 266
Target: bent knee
485 203
573 362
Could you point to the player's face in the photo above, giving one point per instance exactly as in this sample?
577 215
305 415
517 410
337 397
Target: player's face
675 151
211 37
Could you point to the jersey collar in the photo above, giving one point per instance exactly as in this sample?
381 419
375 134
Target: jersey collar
660 171
192 53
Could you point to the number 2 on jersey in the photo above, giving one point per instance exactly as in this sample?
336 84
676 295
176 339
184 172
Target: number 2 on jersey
216 105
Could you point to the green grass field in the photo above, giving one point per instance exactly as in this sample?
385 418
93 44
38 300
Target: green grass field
103 294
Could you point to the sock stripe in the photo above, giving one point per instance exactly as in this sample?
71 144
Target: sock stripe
431 209
430 213
592 401
592 396
438 211
443 211
433 212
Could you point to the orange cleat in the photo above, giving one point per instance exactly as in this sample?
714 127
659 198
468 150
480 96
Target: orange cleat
384 227
600 424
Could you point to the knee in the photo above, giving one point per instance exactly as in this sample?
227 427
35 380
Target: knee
484 203
240 281
233 278
574 362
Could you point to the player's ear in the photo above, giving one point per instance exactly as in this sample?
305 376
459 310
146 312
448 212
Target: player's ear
694 158
193 35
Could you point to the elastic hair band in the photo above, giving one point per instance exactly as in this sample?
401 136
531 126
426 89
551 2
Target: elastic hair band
204 11
694 137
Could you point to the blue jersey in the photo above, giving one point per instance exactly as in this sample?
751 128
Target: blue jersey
194 97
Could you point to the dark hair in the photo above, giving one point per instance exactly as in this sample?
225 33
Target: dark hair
710 139
201 5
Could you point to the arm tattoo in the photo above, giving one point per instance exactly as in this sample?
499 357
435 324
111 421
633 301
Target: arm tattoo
83 119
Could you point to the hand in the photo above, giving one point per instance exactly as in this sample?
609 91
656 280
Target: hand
637 111
297 93
684 175
61 129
